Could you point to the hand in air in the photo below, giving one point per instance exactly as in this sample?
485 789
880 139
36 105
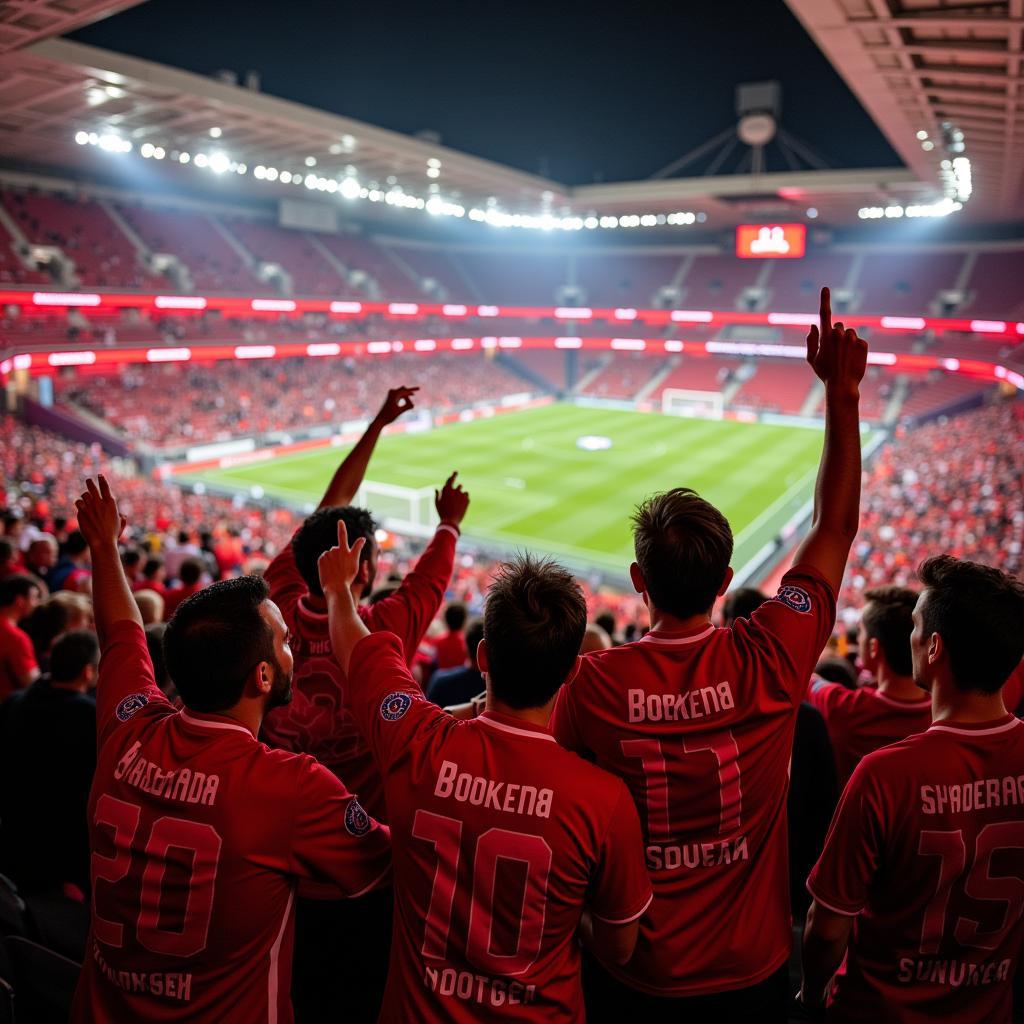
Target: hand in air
451 501
339 566
399 400
835 353
98 517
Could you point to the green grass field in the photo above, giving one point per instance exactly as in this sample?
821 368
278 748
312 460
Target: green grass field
532 487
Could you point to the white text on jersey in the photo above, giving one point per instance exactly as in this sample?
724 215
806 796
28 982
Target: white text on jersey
499 796
973 796
187 786
672 707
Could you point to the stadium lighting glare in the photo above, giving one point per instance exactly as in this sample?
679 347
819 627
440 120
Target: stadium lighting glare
927 145
271 174
215 133
310 161
184 158
922 135
286 177
433 172
812 212
349 188
146 150
202 160
82 138
219 163
260 172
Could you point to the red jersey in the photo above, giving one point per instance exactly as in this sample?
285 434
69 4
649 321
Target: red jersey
199 835
700 728
17 657
501 838
451 650
863 720
317 721
174 597
927 850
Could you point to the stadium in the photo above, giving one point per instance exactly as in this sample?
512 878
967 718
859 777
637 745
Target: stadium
209 291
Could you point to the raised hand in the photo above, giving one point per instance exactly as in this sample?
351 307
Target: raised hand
835 353
98 517
451 501
399 400
339 566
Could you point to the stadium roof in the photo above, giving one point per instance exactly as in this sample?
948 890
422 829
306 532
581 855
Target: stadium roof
53 90
928 69
29 21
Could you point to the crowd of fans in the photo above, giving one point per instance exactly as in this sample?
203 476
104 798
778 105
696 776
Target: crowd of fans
175 404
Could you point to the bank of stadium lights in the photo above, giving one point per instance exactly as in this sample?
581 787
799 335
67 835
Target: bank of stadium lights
350 188
956 178
943 208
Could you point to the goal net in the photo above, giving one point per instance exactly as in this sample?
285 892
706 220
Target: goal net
402 509
705 405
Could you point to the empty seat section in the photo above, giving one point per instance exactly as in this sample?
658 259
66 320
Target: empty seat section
357 252
432 265
934 392
623 376
905 283
716 282
516 278
103 255
309 270
776 386
795 284
995 286
609 280
212 263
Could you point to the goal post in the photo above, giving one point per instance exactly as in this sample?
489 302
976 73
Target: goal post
705 405
402 509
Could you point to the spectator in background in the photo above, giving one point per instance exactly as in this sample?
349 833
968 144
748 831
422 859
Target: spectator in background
41 558
151 606
606 620
10 561
451 647
58 614
73 570
595 639
19 594
152 577
190 577
45 839
230 553
741 603
131 559
457 685
178 553
862 720
835 669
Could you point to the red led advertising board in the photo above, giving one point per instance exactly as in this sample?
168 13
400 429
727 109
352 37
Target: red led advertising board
771 241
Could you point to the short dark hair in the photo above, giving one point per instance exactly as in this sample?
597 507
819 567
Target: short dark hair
683 547
979 613
741 604
131 556
383 592
888 618
534 620
606 620
191 571
215 640
72 653
319 533
837 670
6 550
474 634
153 563
18 584
76 544
44 624
455 616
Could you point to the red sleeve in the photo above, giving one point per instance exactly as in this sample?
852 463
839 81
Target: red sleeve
825 695
387 704
286 584
333 839
409 611
841 879
621 890
790 631
21 656
126 683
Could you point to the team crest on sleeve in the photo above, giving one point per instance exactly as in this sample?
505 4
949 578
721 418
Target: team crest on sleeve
357 821
394 706
130 705
794 597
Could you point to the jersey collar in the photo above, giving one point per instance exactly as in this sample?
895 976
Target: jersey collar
516 726
215 723
673 639
978 728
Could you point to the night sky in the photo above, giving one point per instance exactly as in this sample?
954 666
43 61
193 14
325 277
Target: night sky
574 91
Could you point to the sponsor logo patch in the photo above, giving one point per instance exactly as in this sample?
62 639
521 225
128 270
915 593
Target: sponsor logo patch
394 706
132 703
357 821
794 597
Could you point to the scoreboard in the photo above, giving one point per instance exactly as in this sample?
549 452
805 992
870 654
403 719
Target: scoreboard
771 241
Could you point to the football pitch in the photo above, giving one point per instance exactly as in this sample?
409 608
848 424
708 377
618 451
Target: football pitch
534 487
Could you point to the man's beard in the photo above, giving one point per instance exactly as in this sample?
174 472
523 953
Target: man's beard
281 691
